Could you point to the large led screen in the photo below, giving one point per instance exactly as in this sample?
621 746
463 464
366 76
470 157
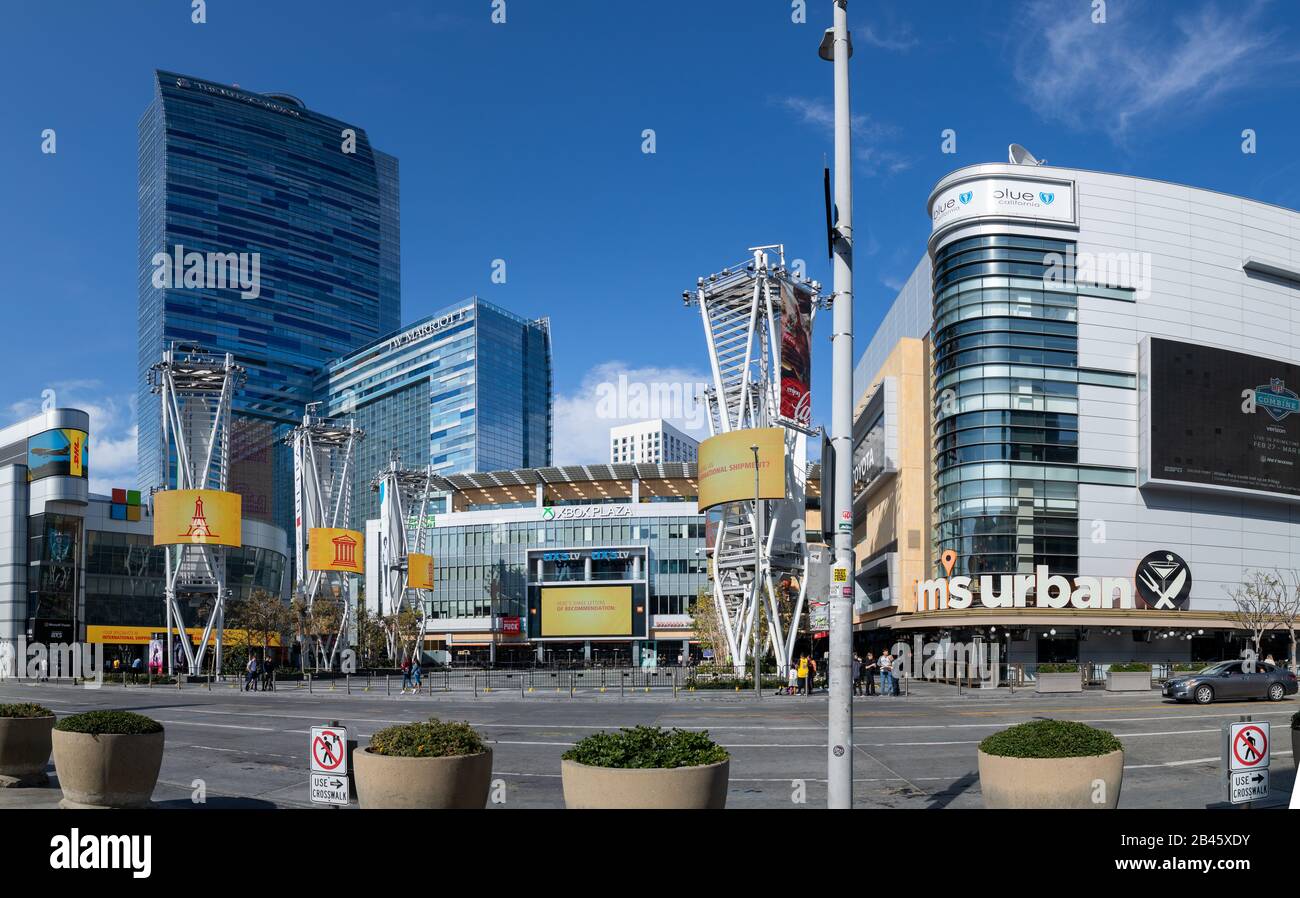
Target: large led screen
1222 419
586 611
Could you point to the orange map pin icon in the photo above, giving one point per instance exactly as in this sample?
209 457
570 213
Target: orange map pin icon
948 559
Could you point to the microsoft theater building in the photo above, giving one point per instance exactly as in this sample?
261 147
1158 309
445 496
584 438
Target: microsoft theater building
1108 437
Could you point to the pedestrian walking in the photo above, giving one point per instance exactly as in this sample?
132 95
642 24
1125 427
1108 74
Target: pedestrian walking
417 675
250 674
406 675
857 674
805 682
869 674
268 674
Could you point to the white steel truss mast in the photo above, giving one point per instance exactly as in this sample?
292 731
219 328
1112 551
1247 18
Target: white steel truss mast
741 310
196 389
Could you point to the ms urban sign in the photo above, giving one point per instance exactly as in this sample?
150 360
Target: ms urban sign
1164 581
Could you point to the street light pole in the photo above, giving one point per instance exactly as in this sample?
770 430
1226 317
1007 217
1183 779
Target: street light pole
839 718
758 579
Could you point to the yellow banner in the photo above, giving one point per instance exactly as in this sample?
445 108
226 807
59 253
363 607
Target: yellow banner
419 572
332 549
109 635
726 470
202 517
76 452
587 611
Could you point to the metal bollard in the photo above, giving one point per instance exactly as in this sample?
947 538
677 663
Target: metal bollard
349 683
309 683
388 685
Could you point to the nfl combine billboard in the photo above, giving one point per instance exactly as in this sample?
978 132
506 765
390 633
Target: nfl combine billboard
1217 419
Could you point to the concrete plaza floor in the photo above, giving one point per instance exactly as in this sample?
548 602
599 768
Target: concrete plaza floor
919 751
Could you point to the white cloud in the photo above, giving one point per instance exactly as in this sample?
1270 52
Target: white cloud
900 41
1137 67
869 136
613 393
113 428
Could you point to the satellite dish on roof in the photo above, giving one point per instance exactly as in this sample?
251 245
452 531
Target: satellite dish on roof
1020 156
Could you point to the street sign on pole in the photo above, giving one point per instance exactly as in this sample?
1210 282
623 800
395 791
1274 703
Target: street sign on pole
329 750
1247 751
1246 786
328 788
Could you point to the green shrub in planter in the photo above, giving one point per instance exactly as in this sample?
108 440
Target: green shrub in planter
25 711
109 723
1058 668
1130 667
1051 739
430 739
647 747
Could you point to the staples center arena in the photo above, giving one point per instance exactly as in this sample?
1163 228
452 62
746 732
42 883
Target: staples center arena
1078 427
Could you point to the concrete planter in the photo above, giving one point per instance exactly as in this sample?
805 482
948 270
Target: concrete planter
1052 782
460 782
1128 681
1059 682
677 788
24 750
104 771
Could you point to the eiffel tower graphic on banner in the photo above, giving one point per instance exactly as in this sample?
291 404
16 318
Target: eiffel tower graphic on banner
199 530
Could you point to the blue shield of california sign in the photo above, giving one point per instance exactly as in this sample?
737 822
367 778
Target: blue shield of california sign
966 197
1047 198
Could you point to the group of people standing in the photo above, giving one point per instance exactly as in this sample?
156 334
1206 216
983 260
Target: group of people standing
804 675
865 670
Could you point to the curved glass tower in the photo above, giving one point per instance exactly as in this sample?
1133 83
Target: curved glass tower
307 211
1006 404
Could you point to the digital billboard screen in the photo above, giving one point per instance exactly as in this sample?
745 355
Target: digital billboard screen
58 453
1222 419
587 612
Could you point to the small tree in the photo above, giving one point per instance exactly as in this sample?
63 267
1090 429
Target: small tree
1256 604
262 616
1288 608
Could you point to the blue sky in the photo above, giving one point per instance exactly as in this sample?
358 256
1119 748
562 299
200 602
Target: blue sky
522 141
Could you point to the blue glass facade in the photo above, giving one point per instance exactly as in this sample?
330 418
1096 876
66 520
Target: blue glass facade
224 170
1006 403
465 389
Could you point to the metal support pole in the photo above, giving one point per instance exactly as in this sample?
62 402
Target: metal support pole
839 718
760 534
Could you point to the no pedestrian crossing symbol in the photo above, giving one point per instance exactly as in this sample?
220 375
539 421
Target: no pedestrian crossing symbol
1249 746
1246 748
329 750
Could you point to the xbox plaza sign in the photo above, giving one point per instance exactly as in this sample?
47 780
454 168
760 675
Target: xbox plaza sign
1163 582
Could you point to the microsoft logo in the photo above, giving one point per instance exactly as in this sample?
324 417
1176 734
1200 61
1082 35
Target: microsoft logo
548 513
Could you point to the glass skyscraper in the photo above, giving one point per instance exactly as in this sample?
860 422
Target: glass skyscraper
465 389
309 209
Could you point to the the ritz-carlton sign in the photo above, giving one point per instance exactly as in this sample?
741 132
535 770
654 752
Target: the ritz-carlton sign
1163 583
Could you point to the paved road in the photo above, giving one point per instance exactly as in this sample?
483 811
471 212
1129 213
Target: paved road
913 752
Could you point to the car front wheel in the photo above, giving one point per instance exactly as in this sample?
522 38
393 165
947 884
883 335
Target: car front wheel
1276 692
1204 695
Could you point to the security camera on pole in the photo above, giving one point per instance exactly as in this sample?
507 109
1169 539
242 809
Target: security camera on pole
836 48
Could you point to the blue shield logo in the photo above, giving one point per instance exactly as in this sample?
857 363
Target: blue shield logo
1047 198
966 197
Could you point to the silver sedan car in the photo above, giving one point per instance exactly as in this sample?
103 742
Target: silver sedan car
1232 680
